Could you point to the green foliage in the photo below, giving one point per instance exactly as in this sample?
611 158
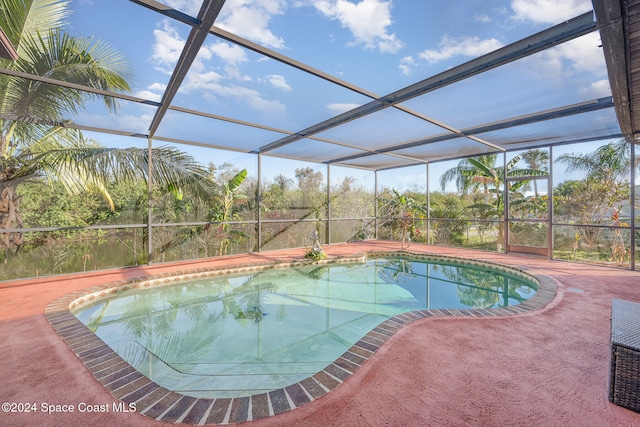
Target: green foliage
46 206
598 198
400 211
451 227
225 208
314 254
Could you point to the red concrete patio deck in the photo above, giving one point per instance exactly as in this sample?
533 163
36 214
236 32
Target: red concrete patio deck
547 367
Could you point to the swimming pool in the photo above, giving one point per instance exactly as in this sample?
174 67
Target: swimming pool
228 335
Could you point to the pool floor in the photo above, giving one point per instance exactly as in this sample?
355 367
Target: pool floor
241 335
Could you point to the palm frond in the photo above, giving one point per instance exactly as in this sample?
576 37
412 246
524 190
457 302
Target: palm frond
23 19
74 60
81 167
511 164
527 172
485 170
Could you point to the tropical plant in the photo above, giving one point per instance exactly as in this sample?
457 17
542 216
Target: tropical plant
316 255
610 162
34 141
606 170
401 210
538 160
598 197
449 224
223 210
481 174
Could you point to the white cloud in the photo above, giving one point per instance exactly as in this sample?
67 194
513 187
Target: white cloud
482 18
231 54
202 77
246 18
578 63
407 64
149 95
576 56
598 89
157 86
462 46
367 20
548 11
583 53
279 82
337 108
253 99
413 181
167 47
250 19
204 80
153 92
211 86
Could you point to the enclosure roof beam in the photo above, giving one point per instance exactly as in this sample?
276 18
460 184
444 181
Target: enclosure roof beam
207 16
556 113
609 20
545 39
7 51
69 125
75 86
328 77
168 12
529 147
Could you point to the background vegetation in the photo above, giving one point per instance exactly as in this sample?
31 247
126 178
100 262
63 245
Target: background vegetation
69 203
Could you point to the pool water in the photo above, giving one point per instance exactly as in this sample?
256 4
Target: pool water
231 336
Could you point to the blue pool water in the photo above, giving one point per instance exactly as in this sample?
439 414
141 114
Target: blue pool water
229 336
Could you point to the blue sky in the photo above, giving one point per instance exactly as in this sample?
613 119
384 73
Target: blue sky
378 45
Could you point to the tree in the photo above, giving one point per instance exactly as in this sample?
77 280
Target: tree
472 174
609 163
309 181
602 192
33 139
606 176
402 210
481 173
282 183
223 210
538 160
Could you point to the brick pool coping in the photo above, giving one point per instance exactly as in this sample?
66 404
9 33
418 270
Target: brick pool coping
125 383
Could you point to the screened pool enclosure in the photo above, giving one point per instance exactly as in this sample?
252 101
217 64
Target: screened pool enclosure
233 127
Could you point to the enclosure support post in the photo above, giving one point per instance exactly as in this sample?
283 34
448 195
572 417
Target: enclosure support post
550 204
149 201
428 207
505 207
327 239
375 202
259 204
632 249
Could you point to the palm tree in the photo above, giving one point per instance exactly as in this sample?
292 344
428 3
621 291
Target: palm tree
33 140
538 160
403 210
481 173
606 183
610 163
224 210
472 174
606 171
